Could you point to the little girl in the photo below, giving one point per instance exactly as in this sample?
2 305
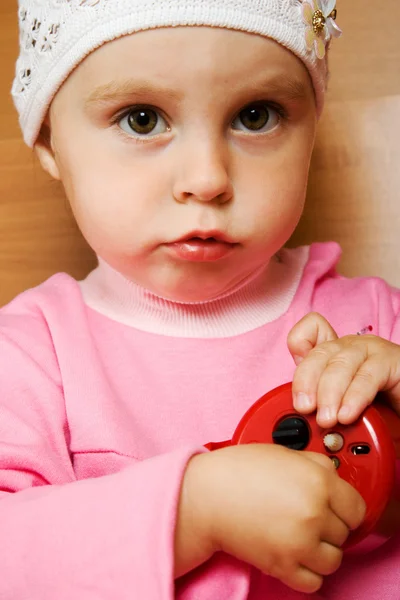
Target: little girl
182 132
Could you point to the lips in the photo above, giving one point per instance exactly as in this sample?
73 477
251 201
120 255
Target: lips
212 235
202 246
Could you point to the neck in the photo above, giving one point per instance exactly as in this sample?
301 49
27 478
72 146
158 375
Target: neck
261 298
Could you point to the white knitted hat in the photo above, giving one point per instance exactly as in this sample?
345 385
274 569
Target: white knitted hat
56 35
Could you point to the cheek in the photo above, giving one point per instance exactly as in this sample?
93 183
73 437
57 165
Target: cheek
277 188
277 193
109 201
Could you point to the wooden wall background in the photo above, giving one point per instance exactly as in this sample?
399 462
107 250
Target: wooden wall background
354 191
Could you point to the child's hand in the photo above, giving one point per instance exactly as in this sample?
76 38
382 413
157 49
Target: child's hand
285 512
341 376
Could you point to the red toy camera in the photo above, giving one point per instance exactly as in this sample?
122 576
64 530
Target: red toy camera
365 454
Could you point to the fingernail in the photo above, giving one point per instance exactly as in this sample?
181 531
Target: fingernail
325 413
297 359
303 401
344 412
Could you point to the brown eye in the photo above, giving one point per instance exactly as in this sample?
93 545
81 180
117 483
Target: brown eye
256 117
143 122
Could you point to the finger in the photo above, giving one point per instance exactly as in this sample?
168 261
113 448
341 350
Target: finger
302 579
308 374
311 330
321 459
366 383
335 532
325 560
335 380
346 503
336 529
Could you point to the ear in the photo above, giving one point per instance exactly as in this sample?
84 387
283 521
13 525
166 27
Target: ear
44 151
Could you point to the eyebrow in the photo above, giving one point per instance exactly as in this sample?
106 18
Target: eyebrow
285 87
122 91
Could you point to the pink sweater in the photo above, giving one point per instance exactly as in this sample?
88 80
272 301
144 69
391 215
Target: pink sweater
107 391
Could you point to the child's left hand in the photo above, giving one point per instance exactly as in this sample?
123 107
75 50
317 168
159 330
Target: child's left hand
340 377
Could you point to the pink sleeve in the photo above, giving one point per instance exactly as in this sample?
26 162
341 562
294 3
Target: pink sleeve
109 537
395 332
386 310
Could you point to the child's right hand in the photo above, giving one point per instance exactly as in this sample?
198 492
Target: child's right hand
285 512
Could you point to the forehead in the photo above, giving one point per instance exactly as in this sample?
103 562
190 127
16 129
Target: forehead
181 57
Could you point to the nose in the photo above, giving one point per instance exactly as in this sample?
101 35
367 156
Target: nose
203 173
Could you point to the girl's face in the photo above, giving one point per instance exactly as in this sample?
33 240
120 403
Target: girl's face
185 154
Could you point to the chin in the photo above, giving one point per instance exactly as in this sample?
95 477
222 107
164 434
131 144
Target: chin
189 297
186 292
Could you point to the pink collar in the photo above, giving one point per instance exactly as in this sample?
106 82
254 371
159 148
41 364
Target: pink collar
263 297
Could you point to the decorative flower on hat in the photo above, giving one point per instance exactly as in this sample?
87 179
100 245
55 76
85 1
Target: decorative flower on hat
320 17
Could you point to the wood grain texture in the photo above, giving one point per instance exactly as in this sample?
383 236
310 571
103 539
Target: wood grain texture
354 183
354 187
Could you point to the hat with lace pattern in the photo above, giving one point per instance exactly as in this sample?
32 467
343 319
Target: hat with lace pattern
56 35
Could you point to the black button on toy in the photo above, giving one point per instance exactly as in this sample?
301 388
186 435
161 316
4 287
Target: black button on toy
361 449
292 432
